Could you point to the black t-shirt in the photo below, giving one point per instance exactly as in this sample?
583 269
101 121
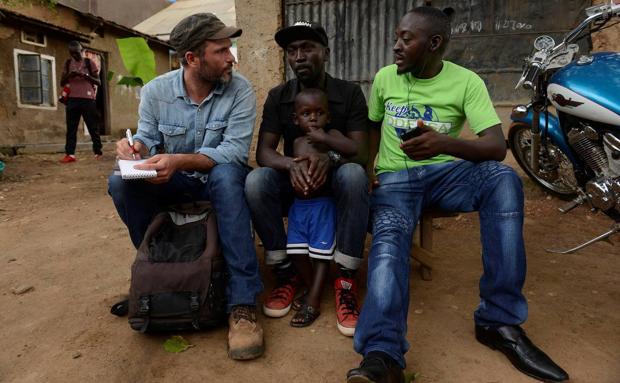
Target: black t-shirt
346 102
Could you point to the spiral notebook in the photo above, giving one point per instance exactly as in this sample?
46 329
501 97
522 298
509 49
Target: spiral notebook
129 173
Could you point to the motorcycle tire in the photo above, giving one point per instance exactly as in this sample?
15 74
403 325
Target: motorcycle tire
518 144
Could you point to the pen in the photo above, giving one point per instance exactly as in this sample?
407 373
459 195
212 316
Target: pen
130 139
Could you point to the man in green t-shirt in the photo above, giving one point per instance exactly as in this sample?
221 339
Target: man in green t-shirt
418 107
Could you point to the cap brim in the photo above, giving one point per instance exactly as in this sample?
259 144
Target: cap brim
226 33
287 35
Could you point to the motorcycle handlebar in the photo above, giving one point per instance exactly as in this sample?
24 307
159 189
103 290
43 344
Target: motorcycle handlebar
531 75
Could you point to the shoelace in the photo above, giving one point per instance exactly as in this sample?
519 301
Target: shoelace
347 299
243 312
282 292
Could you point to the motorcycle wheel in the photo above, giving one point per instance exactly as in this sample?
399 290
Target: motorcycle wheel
555 172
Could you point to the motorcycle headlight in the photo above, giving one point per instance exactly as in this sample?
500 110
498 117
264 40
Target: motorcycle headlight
519 111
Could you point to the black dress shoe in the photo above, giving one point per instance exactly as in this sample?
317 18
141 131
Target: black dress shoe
522 353
377 367
121 308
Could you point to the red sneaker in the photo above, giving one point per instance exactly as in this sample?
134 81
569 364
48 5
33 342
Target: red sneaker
347 311
278 302
67 158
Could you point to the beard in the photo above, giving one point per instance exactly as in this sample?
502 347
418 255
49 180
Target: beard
210 75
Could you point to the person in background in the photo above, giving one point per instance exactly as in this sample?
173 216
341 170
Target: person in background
80 78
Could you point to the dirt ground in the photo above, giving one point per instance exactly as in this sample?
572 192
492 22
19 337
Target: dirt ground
60 235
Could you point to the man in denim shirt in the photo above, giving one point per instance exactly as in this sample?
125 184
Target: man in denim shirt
200 120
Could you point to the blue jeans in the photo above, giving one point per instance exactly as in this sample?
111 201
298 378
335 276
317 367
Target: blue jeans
137 202
491 188
270 194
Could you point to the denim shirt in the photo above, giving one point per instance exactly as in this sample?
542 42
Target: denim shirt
220 127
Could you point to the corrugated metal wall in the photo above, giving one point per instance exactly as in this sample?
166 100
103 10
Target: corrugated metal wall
490 37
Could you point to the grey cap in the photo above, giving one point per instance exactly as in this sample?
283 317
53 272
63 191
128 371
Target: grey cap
193 30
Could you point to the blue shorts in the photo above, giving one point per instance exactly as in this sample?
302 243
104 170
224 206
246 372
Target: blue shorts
312 228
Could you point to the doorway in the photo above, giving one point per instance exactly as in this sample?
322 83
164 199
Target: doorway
103 103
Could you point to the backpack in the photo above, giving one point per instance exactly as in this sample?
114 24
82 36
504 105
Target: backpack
179 277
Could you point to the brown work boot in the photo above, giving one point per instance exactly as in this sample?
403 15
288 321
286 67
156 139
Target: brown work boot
245 334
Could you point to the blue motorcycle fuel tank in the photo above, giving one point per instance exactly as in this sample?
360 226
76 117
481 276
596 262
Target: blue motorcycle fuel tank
589 88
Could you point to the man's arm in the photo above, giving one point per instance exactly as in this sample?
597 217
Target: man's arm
357 127
93 72
334 140
490 145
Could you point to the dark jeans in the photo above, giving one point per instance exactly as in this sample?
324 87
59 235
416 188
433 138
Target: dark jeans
137 201
270 194
492 189
86 108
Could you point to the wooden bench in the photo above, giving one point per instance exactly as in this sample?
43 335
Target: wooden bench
422 249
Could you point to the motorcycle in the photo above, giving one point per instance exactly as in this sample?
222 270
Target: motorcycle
574 153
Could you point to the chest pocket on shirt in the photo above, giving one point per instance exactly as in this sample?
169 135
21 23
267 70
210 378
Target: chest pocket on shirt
174 137
214 133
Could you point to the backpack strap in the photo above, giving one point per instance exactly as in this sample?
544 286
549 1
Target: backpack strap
144 307
194 306
88 62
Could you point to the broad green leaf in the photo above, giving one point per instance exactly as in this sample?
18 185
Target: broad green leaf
130 81
176 344
138 58
110 75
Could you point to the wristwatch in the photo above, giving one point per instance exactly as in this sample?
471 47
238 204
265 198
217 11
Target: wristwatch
334 158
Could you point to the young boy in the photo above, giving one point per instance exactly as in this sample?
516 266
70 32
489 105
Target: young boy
312 216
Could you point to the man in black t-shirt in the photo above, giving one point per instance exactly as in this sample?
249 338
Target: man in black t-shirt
269 189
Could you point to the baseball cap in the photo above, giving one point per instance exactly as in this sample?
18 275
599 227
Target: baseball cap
301 30
193 30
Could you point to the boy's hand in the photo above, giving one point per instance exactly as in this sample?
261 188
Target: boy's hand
428 144
317 136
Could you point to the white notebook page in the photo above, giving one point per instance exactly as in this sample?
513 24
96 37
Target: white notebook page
129 173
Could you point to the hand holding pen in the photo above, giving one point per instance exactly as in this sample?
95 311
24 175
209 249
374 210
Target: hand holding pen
128 148
131 143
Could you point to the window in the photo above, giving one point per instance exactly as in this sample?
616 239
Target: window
35 78
34 38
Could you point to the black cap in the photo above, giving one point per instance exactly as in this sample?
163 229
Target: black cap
301 30
190 32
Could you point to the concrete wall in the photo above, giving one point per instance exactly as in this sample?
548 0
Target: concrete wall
260 58
21 126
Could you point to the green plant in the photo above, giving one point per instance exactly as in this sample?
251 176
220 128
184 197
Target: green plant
47 3
138 59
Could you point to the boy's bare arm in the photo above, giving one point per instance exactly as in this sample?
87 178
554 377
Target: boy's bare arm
333 140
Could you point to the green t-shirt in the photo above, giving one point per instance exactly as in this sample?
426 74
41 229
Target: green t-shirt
444 102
